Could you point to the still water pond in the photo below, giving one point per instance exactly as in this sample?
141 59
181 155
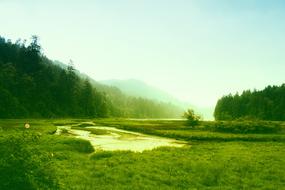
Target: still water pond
111 138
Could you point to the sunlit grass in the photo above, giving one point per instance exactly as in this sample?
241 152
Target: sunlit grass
232 165
215 160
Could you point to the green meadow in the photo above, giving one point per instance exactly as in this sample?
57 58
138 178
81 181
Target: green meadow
217 156
81 112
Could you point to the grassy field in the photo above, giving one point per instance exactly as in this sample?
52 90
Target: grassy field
220 155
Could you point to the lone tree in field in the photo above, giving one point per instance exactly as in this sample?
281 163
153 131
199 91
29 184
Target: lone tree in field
192 118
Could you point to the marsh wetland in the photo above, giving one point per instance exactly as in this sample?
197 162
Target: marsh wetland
212 158
112 139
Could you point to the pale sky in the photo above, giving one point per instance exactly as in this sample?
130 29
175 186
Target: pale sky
197 50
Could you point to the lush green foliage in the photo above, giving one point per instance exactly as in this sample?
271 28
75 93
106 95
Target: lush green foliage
267 104
28 155
33 86
234 165
192 118
62 162
23 164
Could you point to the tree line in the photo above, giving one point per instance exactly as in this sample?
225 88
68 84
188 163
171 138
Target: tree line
31 85
266 104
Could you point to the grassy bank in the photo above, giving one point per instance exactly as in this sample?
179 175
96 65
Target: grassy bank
258 131
216 159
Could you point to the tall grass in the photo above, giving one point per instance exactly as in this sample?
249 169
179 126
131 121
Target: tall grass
214 159
23 164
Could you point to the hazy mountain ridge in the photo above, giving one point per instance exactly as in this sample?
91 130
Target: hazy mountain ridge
116 91
139 88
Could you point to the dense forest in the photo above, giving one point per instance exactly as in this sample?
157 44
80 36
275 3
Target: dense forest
267 104
31 85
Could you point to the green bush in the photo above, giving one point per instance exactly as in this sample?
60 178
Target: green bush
23 165
192 118
66 143
79 145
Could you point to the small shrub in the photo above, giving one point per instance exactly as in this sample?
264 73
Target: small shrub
192 118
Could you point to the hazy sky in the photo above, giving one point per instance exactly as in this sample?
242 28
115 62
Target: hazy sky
198 50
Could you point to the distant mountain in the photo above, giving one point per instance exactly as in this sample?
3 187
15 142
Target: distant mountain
117 94
137 88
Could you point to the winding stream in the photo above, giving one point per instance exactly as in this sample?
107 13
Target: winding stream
111 138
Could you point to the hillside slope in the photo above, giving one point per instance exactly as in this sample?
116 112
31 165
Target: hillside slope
31 85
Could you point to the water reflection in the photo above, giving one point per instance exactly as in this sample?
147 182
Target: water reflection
110 138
